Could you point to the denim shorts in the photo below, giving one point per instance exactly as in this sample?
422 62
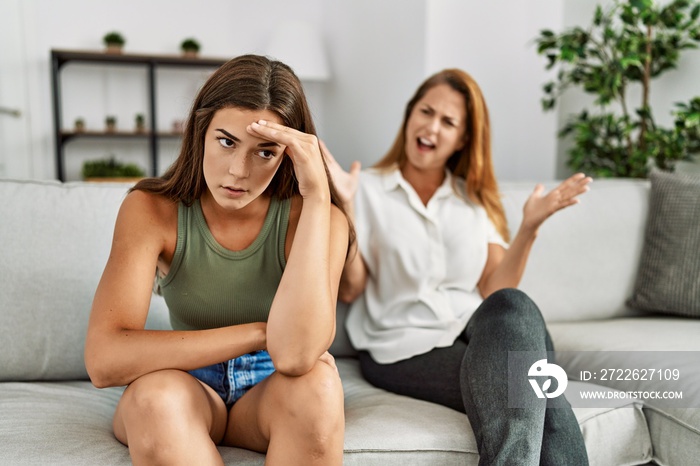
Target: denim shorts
232 379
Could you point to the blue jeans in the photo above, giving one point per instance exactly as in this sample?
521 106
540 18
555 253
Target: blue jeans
232 379
471 376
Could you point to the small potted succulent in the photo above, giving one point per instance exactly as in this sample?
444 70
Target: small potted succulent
110 123
114 42
190 47
110 169
140 122
79 125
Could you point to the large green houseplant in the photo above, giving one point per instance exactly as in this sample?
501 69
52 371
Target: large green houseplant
627 44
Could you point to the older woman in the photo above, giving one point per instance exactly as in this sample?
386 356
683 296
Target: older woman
435 313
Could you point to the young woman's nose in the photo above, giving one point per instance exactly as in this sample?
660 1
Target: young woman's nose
238 166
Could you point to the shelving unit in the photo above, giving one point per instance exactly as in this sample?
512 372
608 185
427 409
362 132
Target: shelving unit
60 58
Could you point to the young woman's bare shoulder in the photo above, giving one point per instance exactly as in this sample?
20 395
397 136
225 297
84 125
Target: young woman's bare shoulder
148 212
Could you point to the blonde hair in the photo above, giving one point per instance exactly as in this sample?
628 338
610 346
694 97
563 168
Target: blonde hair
473 162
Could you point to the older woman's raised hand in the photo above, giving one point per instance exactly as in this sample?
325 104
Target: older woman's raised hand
345 182
539 206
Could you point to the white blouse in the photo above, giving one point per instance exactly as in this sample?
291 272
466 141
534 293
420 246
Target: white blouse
424 263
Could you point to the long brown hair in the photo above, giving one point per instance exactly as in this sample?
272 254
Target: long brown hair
473 162
250 82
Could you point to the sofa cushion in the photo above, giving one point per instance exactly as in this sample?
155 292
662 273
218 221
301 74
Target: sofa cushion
388 429
615 432
648 342
584 262
644 343
668 279
675 434
59 423
69 423
645 333
54 242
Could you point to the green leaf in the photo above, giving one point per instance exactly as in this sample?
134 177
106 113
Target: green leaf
641 5
630 61
598 17
568 54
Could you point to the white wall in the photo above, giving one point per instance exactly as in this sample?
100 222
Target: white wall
493 41
377 56
15 150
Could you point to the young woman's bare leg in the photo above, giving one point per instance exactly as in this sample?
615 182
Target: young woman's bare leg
169 417
295 420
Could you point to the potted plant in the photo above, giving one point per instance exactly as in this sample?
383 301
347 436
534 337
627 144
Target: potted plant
110 123
110 170
114 42
79 125
632 42
140 122
190 47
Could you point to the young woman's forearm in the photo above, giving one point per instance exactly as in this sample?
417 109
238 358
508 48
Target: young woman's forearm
301 324
119 356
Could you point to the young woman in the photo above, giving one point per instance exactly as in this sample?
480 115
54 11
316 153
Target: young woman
435 311
248 246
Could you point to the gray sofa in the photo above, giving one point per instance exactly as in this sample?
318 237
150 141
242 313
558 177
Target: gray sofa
54 242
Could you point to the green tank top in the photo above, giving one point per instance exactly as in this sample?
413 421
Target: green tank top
209 286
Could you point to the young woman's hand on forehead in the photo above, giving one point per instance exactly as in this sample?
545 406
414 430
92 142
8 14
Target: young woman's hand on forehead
305 153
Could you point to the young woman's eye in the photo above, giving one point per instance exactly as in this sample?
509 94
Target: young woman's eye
450 123
265 154
425 111
226 142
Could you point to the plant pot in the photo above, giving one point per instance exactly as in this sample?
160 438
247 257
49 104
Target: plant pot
190 53
115 49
